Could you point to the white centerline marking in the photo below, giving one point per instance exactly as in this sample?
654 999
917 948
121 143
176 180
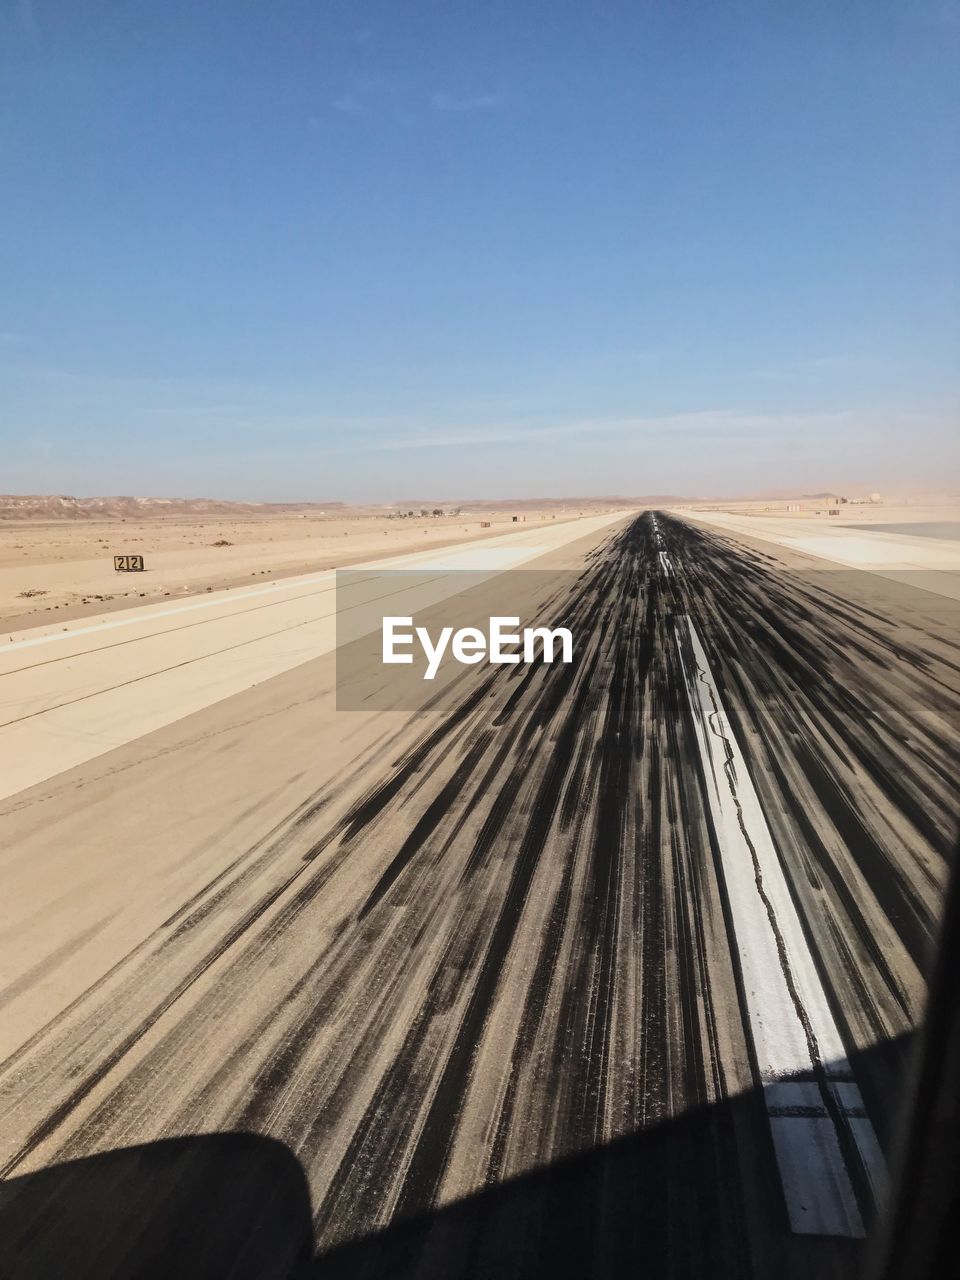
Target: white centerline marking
807 1083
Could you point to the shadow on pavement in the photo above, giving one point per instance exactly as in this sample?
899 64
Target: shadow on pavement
194 1208
693 1197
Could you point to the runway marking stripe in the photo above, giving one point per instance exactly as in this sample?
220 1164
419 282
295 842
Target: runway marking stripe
789 1019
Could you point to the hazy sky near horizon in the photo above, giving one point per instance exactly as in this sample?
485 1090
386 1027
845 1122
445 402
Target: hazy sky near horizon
298 250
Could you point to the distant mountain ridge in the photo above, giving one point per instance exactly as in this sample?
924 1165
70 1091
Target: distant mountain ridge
65 507
543 504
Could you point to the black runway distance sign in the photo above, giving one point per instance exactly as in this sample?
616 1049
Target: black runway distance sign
128 564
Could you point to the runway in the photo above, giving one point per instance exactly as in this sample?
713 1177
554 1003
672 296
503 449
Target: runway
480 987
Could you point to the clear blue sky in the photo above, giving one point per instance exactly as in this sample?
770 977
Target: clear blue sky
294 249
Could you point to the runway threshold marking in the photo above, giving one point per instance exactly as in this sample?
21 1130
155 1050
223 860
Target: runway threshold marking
817 1118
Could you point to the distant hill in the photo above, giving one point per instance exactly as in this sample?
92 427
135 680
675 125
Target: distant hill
64 507
539 504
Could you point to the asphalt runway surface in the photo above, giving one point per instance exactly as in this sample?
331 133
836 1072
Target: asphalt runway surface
469 993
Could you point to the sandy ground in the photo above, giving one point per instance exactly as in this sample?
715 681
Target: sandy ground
65 570
469 976
945 508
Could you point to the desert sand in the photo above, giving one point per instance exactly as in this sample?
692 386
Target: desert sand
58 570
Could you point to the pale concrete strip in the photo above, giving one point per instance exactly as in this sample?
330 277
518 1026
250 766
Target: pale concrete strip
103 684
50 683
149 614
46 744
791 1026
852 548
502 552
